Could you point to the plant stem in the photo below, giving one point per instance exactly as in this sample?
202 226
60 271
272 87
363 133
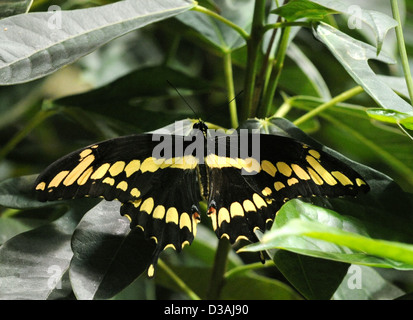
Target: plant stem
253 50
402 49
215 15
178 281
18 137
275 74
340 98
286 24
218 270
229 80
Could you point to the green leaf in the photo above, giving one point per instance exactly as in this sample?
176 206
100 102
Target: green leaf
298 9
13 7
353 56
379 22
62 37
365 283
304 228
118 100
314 278
108 255
217 33
389 116
34 264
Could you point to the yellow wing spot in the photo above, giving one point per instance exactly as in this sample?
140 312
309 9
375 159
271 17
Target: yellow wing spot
135 192
132 167
213 217
269 168
151 271
186 242
225 235
360 182
147 205
343 179
195 221
236 210
186 162
123 185
278 185
116 168
85 176
58 179
252 165
241 238
292 181
149 164
159 212
314 153
128 216
78 170
100 172
185 221
300 172
169 245
41 186
267 191
325 175
172 215
284 168
109 181
259 202
223 215
84 153
315 177
137 203
249 206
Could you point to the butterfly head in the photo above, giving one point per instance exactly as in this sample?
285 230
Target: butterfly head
200 125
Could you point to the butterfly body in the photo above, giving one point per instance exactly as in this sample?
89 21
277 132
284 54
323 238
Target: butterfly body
161 178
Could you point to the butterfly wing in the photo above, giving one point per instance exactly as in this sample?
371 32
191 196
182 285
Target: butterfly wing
159 194
246 191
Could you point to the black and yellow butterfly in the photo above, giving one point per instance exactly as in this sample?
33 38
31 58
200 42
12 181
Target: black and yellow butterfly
161 178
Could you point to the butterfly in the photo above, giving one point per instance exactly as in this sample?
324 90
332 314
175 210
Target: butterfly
161 177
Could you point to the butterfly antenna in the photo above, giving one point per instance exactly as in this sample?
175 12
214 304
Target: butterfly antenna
196 115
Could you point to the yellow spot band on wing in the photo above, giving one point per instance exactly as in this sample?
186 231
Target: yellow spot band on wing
132 167
172 215
278 185
58 179
100 172
116 168
185 221
284 168
147 205
41 186
123 185
343 179
85 176
223 215
300 172
159 212
236 210
325 175
78 170
269 168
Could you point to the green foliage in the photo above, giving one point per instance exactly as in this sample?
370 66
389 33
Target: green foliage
325 72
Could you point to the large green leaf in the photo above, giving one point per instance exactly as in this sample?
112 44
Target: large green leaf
216 32
108 255
304 228
62 37
353 56
365 283
34 264
379 22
